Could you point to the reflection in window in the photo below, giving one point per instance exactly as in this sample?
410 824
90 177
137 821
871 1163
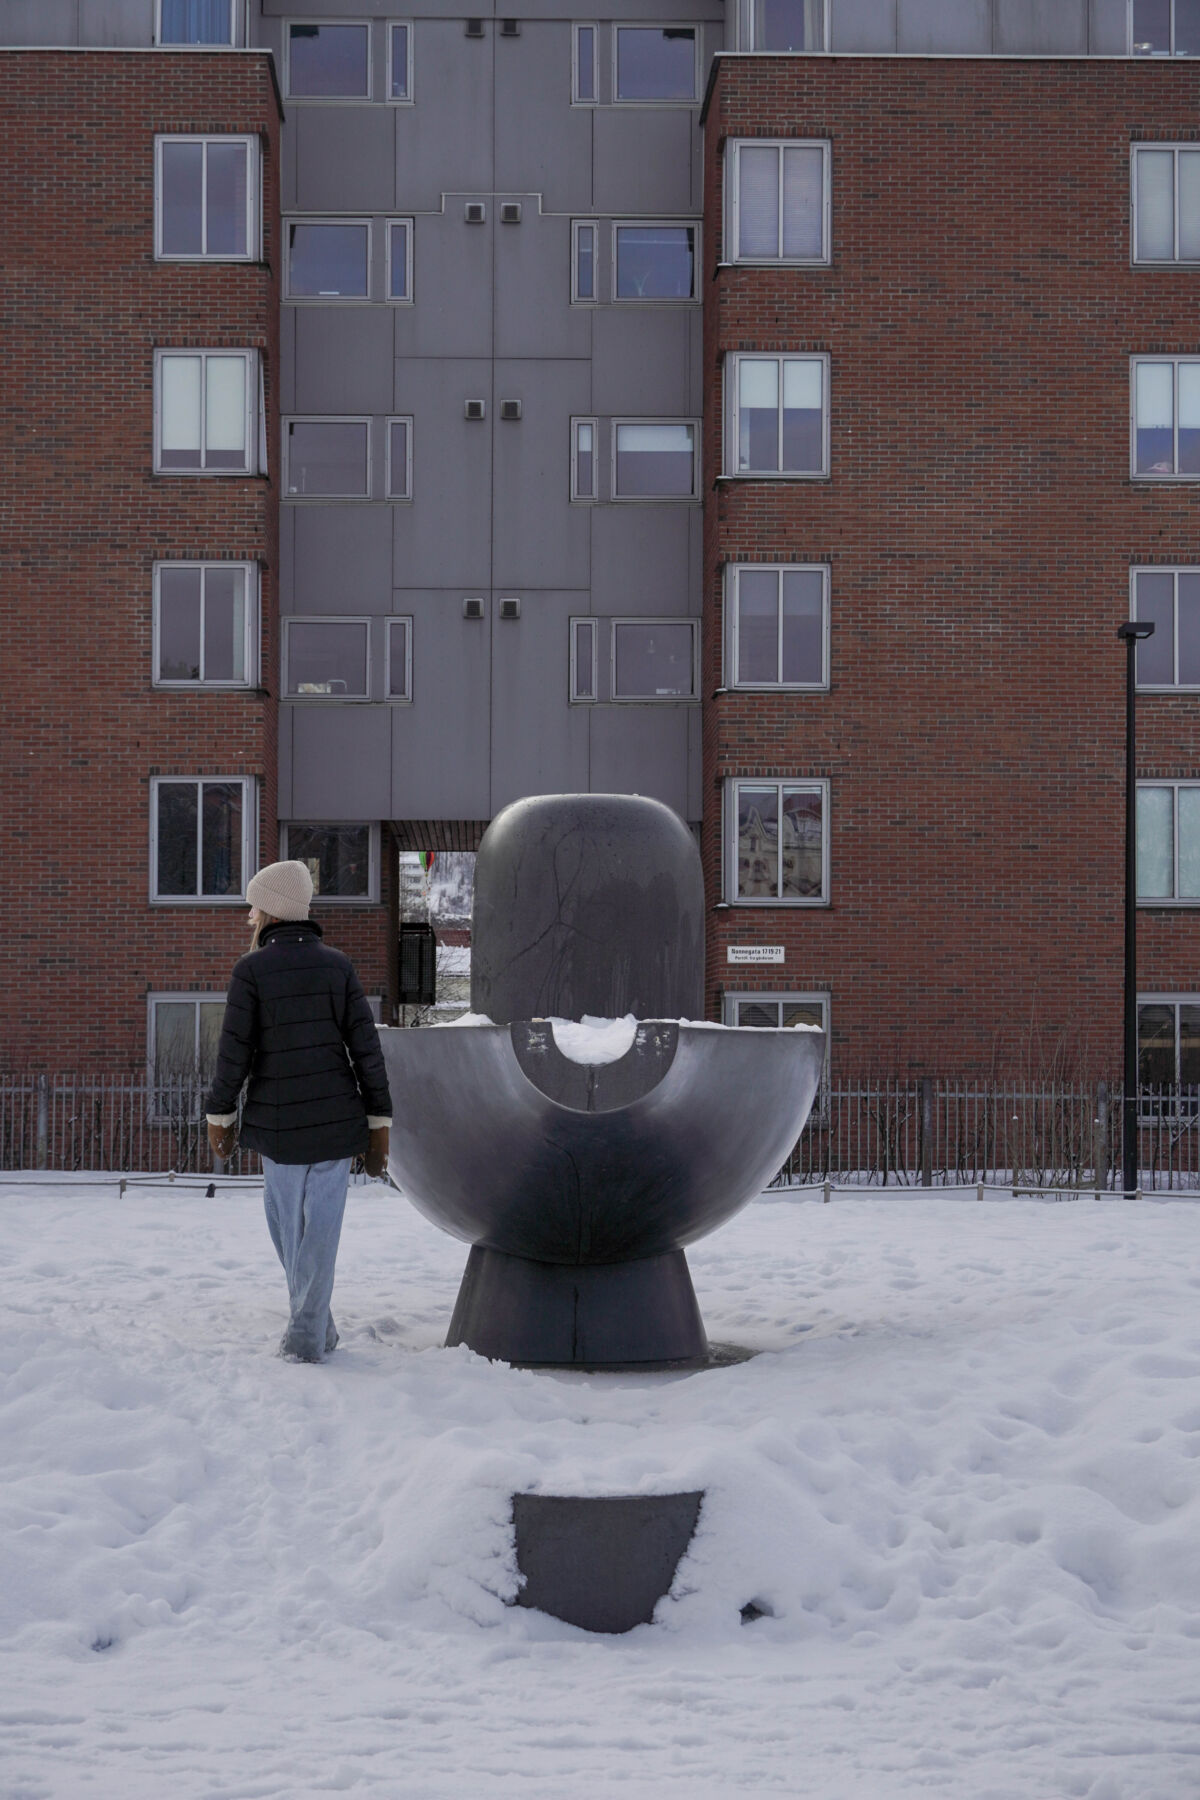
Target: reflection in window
779 626
1168 841
1166 417
1166 204
779 202
205 199
654 659
198 839
184 1035
328 261
328 62
1170 599
655 462
338 857
780 840
656 62
779 412
327 657
656 262
327 457
202 623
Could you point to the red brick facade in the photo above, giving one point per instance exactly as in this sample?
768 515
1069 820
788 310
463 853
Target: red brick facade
979 523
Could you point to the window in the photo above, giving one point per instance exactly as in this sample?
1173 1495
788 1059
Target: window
774 1012
583 260
654 659
399 459
583 459
342 859
398 677
654 462
203 412
777 201
1166 417
583 659
205 624
400 62
183 1031
328 259
206 198
778 420
654 262
329 62
783 24
1168 841
777 842
1169 1043
329 458
1170 598
201 837
1166 204
198 22
655 62
583 66
400 259
778 620
1164 27
326 658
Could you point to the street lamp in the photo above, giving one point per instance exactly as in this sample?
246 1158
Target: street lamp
1133 632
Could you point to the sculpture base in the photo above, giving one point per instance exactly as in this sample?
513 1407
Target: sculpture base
628 1315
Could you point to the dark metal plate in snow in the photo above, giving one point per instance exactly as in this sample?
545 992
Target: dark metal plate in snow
602 1564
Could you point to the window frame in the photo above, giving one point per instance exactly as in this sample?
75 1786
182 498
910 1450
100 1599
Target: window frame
696 27
285 686
578 99
578 227
254 251
250 790
292 219
238 37
158 1088
732 204
729 853
731 378
683 224
406 99
1129 39
744 27
255 405
371 898
1187 902
253 632
695 426
357 499
405 419
1174 475
390 223
1157 1107
327 99
730 586
620 699
1174 570
1158 262
587 622
578 497
392 619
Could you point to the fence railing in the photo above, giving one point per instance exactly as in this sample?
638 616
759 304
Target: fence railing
928 1132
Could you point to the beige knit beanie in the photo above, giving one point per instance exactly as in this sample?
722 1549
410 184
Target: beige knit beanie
283 889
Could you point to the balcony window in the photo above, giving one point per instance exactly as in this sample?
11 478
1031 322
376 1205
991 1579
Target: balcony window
655 62
654 462
326 658
327 458
328 259
655 262
329 62
654 659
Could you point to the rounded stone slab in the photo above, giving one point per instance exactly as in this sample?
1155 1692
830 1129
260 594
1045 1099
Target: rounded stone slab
704 1118
587 903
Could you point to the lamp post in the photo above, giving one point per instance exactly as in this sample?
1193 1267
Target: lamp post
1131 634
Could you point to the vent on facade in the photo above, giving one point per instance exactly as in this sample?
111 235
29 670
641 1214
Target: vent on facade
510 609
510 28
510 409
474 27
475 212
475 409
472 609
418 965
510 212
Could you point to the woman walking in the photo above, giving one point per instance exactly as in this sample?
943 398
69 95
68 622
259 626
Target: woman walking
299 1034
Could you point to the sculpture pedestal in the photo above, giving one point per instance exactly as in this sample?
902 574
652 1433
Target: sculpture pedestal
640 1314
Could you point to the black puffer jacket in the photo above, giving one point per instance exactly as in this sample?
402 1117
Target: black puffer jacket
297 1026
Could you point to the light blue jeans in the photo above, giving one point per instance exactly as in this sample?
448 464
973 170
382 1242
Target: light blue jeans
304 1204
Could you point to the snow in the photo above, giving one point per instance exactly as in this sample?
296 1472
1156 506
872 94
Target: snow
592 1040
962 1471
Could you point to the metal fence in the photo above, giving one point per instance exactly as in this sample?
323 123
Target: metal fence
925 1133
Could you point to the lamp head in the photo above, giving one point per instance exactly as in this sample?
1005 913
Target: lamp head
1135 630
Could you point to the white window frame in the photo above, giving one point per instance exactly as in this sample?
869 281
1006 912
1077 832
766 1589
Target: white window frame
732 382
249 787
589 625
655 499
1133 51
578 228
405 619
395 25
732 576
324 299
732 207
409 229
371 898
252 427
285 690
578 99
744 29
253 251
1158 262
237 27
682 224
729 858
695 26
577 494
158 1089
405 419
327 419
1188 902
617 697
1175 362
250 654
1155 1107
327 99
1174 570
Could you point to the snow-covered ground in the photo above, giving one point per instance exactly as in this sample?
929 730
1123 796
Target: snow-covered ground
963 1471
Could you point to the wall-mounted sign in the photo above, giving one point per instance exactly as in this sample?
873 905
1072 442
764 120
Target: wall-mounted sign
754 953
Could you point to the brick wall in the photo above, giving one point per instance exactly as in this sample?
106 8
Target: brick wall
979 524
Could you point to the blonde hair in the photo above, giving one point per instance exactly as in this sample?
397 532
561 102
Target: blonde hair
263 922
